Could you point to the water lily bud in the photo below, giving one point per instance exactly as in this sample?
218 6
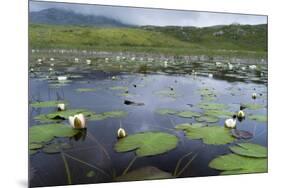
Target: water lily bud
77 121
240 114
121 133
61 107
230 123
254 95
210 75
62 78
113 77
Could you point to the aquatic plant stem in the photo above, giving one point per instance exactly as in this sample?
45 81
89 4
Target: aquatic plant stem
66 169
184 168
101 146
88 164
179 162
129 166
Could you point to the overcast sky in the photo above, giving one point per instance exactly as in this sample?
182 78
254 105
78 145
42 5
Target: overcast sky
141 16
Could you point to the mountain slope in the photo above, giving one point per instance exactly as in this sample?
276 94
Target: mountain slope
56 16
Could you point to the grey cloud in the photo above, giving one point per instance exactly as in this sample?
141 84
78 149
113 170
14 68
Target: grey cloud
144 16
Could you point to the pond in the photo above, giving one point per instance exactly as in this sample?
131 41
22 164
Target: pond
161 96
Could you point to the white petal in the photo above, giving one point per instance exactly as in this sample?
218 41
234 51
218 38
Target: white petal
71 121
81 117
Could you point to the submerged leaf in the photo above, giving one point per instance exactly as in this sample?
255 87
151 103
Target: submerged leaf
90 174
240 134
147 143
165 111
56 147
260 118
144 173
212 106
250 150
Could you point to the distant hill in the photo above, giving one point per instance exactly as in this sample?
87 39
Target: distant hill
55 16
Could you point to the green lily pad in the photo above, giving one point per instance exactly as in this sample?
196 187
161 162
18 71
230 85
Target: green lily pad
215 135
147 143
185 126
56 147
253 106
166 111
119 88
46 104
32 151
90 174
208 119
144 173
45 133
86 89
260 118
249 150
236 164
189 114
105 115
218 113
212 106
167 93
34 146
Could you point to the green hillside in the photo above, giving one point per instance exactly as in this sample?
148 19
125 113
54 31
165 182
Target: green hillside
219 40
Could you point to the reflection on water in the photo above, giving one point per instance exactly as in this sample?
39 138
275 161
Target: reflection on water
92 149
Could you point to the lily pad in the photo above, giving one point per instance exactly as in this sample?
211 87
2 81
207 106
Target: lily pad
56 147
119 88
34 146
167 93
260 118
147 143
189 114
185 126
236 164
105 115
144 173
46 104
215 135
45 133
218 113
212 106
86 89
32 151
253 106
249 150
208 119
166 111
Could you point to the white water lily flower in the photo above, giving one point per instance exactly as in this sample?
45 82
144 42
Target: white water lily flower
230 66
210 75
39 60
230 123
52 64
106 59
252 67
77 121
240 114
218 64
117 58
243 68
121 133
76 60
50 69
88 61
133 59
52 59
61 107
113 78
62 78
31 70
165 64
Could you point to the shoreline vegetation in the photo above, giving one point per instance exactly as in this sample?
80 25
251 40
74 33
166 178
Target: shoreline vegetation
228 41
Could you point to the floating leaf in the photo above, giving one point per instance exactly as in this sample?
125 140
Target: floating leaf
167 93
218 113
166 111
144 173
105 115
249 150
236 164
216 135
119 88
147 143
185 126
45 133
90 174
189 114
208 119
86 89
46 104
212 106
32 152
260 118
34 146
240 134
56 147
253 106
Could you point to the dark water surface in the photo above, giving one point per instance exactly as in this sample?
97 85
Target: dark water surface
232 87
